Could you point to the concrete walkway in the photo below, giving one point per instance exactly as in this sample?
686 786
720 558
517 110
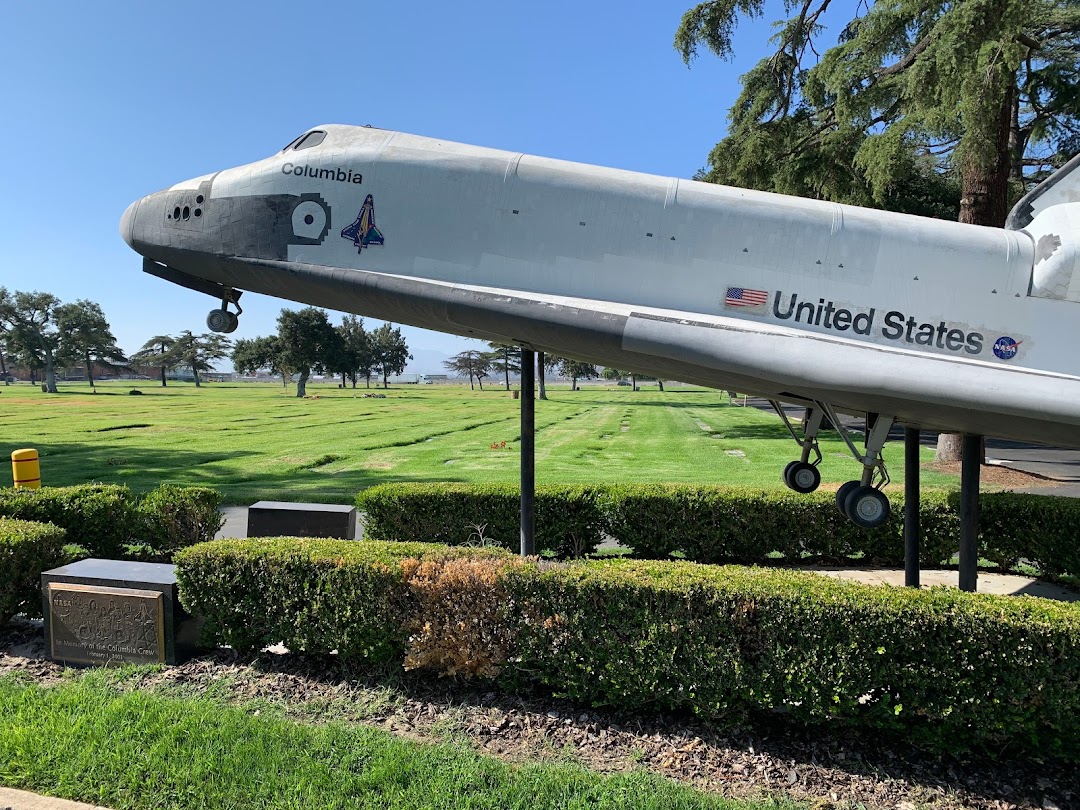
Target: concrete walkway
22 800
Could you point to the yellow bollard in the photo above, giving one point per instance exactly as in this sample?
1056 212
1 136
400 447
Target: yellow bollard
25 468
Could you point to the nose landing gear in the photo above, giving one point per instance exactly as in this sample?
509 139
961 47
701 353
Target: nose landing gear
221 320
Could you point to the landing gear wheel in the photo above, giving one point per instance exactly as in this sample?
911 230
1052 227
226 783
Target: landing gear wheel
787 473
842 493
802 477
221 320
866 507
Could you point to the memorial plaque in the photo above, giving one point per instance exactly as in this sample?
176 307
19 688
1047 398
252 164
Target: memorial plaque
95 625
101 612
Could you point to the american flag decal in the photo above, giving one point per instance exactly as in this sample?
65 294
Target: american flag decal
746 300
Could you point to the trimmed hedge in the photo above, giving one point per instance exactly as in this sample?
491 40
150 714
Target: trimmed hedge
569 520
175 517
99 517
107 519
943 668
26 549
726 524
311 595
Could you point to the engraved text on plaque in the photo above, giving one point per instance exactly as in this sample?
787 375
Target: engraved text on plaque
98 625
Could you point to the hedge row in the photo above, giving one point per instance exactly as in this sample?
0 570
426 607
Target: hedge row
952 670
109 521
569 520
718 524
26 549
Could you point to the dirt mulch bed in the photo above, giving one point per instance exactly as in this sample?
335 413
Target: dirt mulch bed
769 759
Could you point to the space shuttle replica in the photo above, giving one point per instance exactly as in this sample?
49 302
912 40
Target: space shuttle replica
915 321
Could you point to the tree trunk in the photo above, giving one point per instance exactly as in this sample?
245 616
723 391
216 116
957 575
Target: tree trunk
506 367
633 382
472 387
195 374
301 384
89 370
480 379
984 200
573 383
540 373
385 378
50 373
163 383
660 383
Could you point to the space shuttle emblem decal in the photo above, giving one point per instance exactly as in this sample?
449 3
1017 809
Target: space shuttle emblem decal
363 232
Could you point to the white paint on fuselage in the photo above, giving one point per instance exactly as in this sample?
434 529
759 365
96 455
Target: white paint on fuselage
503 221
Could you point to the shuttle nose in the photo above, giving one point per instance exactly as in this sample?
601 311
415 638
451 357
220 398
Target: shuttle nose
127 223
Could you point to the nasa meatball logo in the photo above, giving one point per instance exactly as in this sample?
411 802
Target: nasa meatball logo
1006 348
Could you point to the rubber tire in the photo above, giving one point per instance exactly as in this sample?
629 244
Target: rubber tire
867 508
234 321
787 473
218 320
804 478
841 495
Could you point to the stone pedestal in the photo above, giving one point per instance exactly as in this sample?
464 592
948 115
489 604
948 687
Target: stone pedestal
101 612
284 519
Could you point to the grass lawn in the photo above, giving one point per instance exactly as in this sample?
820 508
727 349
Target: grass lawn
84 740
252 441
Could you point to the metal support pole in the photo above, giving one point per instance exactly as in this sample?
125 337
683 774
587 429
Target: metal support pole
528 452
969 512
912 530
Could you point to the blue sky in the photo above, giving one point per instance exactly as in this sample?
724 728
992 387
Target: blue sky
107 102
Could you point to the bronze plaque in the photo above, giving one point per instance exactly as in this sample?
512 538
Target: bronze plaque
95 625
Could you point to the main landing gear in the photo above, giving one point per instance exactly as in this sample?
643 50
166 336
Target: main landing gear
221 320
862 502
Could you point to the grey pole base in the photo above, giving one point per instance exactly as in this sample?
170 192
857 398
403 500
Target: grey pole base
528 452
969 512
912 528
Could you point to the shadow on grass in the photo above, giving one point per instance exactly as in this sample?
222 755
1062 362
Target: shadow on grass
144 468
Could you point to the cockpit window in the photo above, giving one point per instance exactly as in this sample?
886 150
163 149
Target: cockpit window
306 141
313 138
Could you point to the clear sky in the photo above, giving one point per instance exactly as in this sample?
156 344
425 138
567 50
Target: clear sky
107 102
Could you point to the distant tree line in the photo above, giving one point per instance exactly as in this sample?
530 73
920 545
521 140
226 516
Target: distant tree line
307 343
42 334
504 360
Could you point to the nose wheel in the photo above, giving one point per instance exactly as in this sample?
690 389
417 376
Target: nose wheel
221 320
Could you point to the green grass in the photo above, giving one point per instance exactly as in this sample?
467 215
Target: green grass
252 442
84 740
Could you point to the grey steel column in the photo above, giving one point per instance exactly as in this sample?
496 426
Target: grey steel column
969 512
528 452
912 529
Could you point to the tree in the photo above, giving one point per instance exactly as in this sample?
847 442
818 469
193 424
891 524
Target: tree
307 342
85 336
252 354
200 351
923 106
616 374
540 365
357 350
576 370
390 353
471 364
29 321
157 351
505 359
